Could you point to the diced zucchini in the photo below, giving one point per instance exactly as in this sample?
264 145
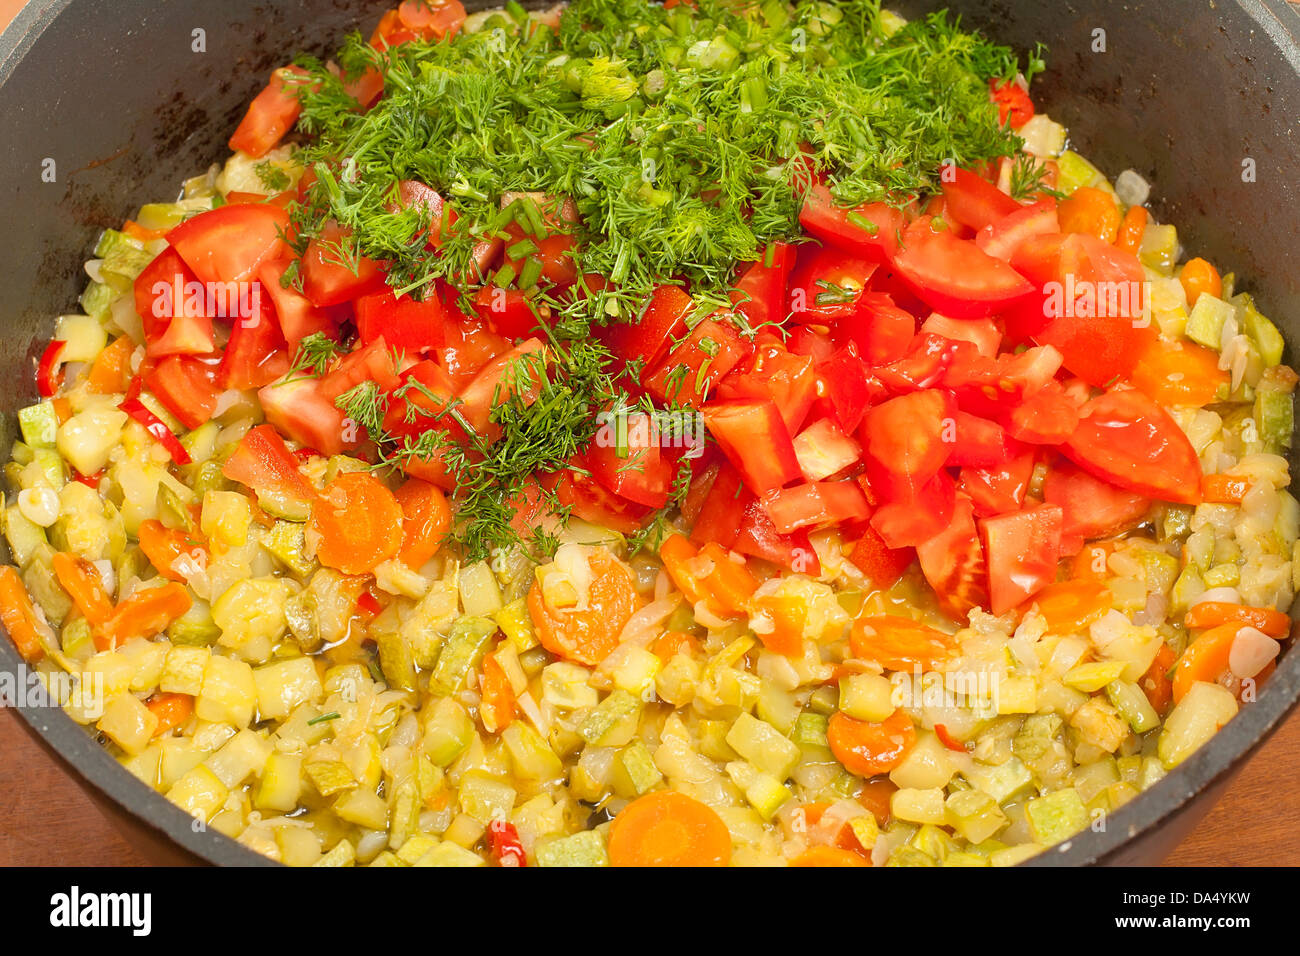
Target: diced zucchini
531 757
242 756
39 425
396 660
1194 720
1092 676
1056 816
343 854
485 797
928 764
1207 319
1133 705
329 776
225 517
1001 782
1275 416
1017 695
199 793
283 686
480 595
918 806
635 772
127 722
764 791
183 670
447 853
613 723
586 848
363 807
229 693
287 543
764 746
1075 171
194 628
517 625
447 731
974 814
566 686
280 784
463 652
24 536
87 438
1263 333
810 734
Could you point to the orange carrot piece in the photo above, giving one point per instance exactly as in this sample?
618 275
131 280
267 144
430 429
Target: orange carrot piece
1215 613
899 643
497 698
359 523
1224 489
587 635
865 748
829 856
1179 373
18 615
145 613
1205 658
667 828
81 580
1131 229
172 710
1070 606
1198 276
1155 683
110 372
1092 211
426 519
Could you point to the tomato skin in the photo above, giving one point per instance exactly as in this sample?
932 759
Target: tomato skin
372 362
845 383
981 333
815 504
972 201
186 386
759 293
1091 508
230 243
518 371
256 354
881 330
1015 108
829 221
325 280
979 442
299 410
905 441
1023 549
693 369
644 474
924 365
954 276
1049 417
999 488
907 523
661 321
953 563
412 409
1128 440
413 194
263 462
509 310
753 436
719 516
758 538
294 312
171 325
270 115
772 372
403 322
1001 238
879 563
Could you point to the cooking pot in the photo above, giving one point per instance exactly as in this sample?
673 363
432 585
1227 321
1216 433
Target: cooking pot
117 101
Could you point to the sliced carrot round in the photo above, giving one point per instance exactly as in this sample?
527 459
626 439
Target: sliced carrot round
81 580
1179 373
865 748
667 828
899 643
425 522
1198 276
1206 658
1092 211
829 856
588 634
359 523
172 710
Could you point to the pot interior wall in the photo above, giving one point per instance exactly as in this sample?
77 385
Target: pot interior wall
115 94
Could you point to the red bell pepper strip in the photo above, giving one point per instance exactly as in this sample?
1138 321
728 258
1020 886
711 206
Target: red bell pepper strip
157 428
48 374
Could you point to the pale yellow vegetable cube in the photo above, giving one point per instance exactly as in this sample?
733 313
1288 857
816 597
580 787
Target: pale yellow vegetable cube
183 670
229 693
127 722
284 685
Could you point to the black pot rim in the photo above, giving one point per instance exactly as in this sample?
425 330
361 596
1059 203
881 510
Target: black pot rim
1212 764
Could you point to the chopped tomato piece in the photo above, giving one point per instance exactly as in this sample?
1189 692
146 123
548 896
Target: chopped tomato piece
271 114
264 463
635 468
759 538
754 438
404 322
907 522
230 243
720 512
186 386
175 320
1015 108
1022 549
1092 508
759 294
999 488
693 369
905 441
1000 239
294 312
662 321
815 504
972 200
954 276
870 229
879 563
1128 440
822 449
787 379
520 371
333 271
953 563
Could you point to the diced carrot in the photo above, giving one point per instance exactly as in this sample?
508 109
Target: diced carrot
164 547
359 523
1090 563
676 553
1179 373
1214 613
18 615
899 643
62 409
1131 229
875 795
1199 276
788 614
865 748
1092 211
709 575
829 856
1070 606
84 585
1155 683
172 710
425 522
671 643
1205 658
134 230
145 613
110 372
497 704
668 828
1224 489
587 635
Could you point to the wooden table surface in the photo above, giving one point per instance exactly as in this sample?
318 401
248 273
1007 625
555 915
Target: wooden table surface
46 819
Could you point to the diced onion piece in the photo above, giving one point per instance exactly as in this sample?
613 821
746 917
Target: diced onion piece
1252 650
